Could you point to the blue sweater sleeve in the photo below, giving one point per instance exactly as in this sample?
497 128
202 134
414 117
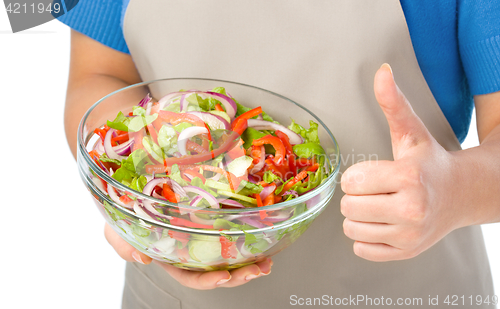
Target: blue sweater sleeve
99 20
479 38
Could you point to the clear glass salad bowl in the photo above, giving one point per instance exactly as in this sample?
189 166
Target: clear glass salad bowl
204 238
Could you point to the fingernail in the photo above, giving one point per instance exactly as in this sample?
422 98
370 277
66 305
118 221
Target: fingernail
264 274
388 66
223 281
250 277
270 262
137 257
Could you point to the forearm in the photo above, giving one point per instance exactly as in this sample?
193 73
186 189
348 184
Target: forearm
478 180
80 96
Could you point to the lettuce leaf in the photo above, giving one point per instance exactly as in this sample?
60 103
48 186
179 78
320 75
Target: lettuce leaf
269 177
131 168
175 174
310 135
131 124
167 139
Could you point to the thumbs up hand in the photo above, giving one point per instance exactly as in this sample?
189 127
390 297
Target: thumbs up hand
397 209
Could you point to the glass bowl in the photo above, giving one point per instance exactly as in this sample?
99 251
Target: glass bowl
210 246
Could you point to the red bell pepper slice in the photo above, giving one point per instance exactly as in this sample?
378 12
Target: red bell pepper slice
262 213
291 164
227 248
237 151
313 168
122 138
102 132
250 114
269 200
240 124
281 171
219 108
169 194
180 236
286 141
125 199
295 180
187 223
274 141
303 162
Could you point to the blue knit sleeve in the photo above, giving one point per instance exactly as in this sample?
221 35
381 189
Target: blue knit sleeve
99 20
479 40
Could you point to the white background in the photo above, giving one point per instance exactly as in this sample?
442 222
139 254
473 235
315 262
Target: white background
53 250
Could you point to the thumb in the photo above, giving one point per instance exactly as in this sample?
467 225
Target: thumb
407 130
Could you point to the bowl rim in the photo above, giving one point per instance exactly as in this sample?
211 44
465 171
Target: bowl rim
335 166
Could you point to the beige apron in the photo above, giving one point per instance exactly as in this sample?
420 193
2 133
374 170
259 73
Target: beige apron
323 55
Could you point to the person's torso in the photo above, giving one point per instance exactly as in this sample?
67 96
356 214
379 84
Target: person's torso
321 54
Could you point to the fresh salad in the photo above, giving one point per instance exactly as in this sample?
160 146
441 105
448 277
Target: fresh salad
205 150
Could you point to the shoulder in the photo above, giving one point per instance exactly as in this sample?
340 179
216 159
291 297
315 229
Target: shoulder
99 20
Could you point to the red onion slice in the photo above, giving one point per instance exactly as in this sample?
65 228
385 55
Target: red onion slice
109 149
267 125
266 191
152 212
124 148
148 188
291 192
176 187
228 102
148 108
140 211
207 196
194 202
252 222
145 101
183 103
199 220
99 147
187 134
114 196
240 245
214 121
167 100
229 202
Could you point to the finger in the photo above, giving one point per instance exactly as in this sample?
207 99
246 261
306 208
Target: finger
378 208
197 279
370 232
245 274
407 130
371 177
379 252
124 249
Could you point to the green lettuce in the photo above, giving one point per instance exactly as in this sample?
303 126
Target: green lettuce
131 168
310 135
269 177
167 140
175 174
131 124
